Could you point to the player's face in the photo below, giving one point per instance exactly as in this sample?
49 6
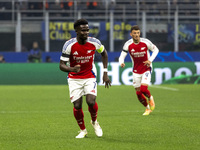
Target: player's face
83 32
135 34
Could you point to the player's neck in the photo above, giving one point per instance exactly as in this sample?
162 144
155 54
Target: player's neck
81 41
136 41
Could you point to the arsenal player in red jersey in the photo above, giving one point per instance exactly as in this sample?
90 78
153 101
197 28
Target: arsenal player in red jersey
138 48
78 60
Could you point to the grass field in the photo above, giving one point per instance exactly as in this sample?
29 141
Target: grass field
41 118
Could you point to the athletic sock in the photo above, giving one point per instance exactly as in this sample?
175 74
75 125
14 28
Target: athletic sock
148 107
78 114
93 111
142 98
145 91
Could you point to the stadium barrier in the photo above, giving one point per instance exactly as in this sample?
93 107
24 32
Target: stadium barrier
22 57
49 73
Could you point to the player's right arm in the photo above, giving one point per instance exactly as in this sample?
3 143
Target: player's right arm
65 58
123 55
65 68
121 59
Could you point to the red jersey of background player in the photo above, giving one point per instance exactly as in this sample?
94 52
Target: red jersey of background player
139 52
82 55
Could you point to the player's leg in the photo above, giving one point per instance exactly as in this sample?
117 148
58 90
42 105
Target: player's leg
79 116
143 100
78 113
141 97
90 90
145 81
137 79
145 91
93 109
76 93
91 93
146 78
148 108
92 106
137 83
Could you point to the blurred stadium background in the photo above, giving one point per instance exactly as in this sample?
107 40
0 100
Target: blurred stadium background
172 25
36 112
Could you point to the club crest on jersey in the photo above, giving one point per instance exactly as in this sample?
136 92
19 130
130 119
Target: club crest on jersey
142 48
89 51
75 53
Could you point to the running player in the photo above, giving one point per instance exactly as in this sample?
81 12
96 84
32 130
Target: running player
138 49
78 60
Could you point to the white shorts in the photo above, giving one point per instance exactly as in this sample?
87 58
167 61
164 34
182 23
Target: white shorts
138 79
80 87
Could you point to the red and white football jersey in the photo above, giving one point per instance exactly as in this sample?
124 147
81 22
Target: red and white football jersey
139 53
83 55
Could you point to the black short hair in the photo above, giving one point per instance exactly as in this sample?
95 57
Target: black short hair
135 27
79 22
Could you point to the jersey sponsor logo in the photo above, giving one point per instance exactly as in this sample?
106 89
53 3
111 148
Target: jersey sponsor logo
75 53
139 54
142 48
82 59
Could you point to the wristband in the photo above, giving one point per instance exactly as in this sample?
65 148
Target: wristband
105 70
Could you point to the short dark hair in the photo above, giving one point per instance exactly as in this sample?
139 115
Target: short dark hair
135 27
79 22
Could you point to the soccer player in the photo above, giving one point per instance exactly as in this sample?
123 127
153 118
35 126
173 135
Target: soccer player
138 49
78 60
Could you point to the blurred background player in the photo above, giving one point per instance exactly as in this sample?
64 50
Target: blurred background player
79 53
35 54
138 49
2 59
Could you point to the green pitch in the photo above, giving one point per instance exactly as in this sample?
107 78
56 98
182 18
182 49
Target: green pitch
41 118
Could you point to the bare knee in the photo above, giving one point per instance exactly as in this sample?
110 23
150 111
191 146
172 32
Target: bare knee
90 99
137 89
78 103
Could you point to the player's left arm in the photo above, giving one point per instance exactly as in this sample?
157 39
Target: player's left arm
154 50
104 57
106 79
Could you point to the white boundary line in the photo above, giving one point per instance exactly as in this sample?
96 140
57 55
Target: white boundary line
164 87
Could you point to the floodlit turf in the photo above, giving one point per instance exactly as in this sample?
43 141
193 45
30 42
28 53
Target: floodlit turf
41 118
